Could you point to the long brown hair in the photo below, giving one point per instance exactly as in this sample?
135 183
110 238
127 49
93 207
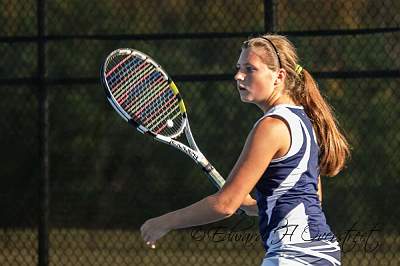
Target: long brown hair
303 89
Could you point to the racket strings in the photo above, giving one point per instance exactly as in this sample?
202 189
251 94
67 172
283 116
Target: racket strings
118 72
135 90
116 63
144 93
163 118
131 83
158 110
157 114
159 86
151 102
164 129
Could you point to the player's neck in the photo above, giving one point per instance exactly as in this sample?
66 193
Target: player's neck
284 99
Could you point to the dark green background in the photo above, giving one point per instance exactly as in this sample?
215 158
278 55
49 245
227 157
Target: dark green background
104 176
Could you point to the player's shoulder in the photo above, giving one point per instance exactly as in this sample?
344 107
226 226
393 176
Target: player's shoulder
272 124
270 134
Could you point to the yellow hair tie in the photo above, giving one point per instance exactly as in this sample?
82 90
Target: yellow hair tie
298 69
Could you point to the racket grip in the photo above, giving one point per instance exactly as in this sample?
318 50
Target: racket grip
215 177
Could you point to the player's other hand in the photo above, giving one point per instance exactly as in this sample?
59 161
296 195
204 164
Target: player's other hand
152 230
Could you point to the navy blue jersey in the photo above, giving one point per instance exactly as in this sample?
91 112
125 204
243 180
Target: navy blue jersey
289 207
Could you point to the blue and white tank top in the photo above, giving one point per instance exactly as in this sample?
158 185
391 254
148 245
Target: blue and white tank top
289 207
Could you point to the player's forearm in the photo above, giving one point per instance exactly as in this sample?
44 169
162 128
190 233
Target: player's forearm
202 212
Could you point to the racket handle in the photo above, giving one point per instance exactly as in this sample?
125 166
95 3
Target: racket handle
215 177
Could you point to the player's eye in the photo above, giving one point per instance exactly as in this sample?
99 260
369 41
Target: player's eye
250 69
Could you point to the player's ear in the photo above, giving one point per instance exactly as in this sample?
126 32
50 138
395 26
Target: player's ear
280 77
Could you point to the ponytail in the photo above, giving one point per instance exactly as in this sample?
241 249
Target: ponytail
334 148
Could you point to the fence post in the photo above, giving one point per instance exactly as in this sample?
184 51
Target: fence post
269 20
43 230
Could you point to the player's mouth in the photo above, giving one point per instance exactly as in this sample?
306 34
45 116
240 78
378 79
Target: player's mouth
241 87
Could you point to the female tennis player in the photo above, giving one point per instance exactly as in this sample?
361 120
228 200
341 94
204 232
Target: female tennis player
290 146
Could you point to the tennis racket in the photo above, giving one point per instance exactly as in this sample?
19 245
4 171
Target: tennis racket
146 97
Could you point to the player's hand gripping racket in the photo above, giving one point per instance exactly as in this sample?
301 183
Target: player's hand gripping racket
147 98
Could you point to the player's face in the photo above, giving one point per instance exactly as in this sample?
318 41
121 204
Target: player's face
255 81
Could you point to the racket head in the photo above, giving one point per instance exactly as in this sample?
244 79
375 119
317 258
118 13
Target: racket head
143 94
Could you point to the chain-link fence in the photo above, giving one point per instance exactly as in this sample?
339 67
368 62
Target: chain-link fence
104 179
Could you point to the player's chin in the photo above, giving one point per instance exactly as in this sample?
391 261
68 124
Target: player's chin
245 98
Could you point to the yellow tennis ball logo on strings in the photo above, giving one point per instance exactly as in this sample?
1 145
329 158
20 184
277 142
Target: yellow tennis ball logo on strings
170 123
